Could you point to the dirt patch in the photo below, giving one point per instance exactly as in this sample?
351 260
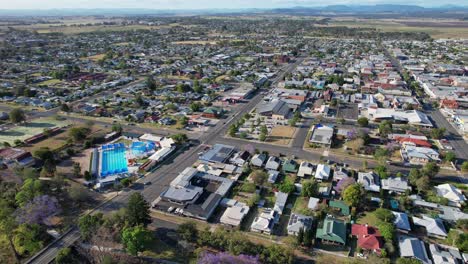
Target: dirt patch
281 135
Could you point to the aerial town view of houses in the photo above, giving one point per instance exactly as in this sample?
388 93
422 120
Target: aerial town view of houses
296 135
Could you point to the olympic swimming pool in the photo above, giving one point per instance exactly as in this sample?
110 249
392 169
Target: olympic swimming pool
113 159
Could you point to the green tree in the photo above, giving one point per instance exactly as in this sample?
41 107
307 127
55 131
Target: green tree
117 128
464 166
64 256
287 186
188 231
408 261
76 169
308 238
430 169
363 121
384 215
259 177
385 128
78 134
438 133
7 224
65 108
197 87
136 239
195 107
300 236
309 188
449 156
17 115
353 195
150 83
138 210
89 224
27 239
31 188
387 230
179 138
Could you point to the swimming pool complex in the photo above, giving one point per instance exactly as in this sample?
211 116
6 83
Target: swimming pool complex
113 159
139 148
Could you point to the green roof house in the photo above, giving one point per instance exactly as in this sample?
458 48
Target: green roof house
213 112
332 231
290 166
341 206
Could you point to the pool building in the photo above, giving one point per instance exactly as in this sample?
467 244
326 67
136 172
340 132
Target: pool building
114 161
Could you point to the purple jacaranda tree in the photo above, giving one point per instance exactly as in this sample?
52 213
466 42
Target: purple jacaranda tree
38 210
352 134
392 146
343 183
226 258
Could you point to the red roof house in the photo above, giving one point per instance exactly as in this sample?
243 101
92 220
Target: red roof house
368 237
416 142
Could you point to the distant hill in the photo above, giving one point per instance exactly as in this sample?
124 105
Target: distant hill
388 9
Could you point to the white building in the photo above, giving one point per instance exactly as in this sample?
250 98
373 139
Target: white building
323 172
451 193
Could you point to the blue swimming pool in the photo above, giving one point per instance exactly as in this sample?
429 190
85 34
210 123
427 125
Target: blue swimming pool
139 148
113 160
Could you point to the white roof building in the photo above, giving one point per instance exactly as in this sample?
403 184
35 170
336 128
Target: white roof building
450 192
313 203
273 163
258 160
322 172
396 184
305 169
297 221
280 202
234 215
445 254
265 221
434 227
370 181
411 247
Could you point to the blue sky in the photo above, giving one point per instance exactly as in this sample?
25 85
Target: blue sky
202 4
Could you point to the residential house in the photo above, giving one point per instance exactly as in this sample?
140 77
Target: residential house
289 166
451 193
272 176
332 231
341 206
442 254
234 214
298 222
280 203
265 221
396 184
418 155
434 227
370 181
412 247
322 135
273 163
240 158
401 222
258 160
368 237
305 169
323 172
313 203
